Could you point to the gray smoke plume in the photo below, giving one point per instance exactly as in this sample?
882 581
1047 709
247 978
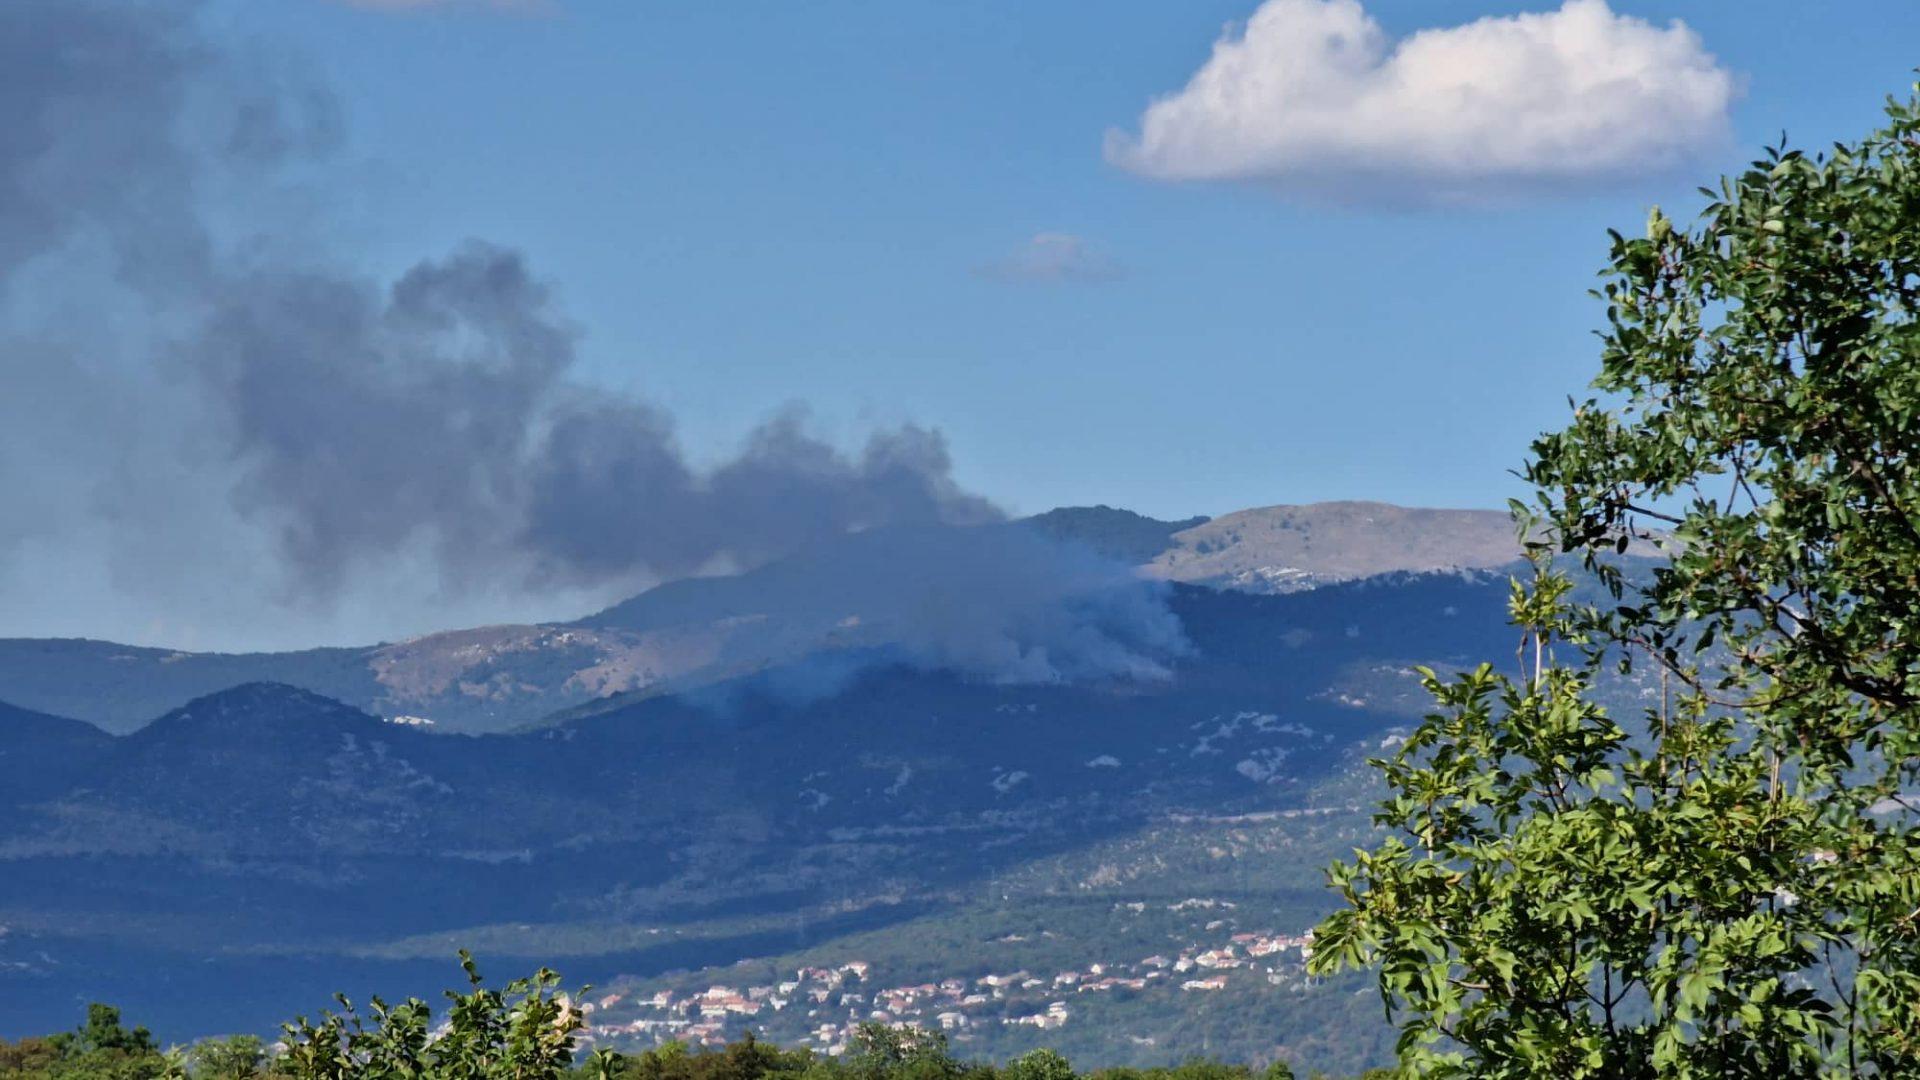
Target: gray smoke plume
215 411
86 88
442 409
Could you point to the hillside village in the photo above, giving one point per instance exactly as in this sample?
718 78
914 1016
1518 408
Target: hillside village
822 1006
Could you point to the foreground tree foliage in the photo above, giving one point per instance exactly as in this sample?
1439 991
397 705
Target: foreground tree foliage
525 1031
1729 884
101 1047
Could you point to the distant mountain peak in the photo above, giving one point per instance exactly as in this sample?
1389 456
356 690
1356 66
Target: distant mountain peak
1290 547
262 692
251 706
1116 533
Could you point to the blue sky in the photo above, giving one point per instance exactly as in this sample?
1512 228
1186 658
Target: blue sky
748 205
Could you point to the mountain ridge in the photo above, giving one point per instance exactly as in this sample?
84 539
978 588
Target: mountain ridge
1286 547
701 631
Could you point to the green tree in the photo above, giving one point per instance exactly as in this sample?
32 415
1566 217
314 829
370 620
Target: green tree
237 1057
103 1031
886 1052
524 1031
1038 1065
27 1058
1730 884
1278 1070
745 1058
102 1047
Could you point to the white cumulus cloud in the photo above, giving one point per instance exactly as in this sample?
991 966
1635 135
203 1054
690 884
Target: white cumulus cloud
1313 98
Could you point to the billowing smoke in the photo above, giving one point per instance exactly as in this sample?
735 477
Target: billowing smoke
442 408
211 413
86 88
1004 603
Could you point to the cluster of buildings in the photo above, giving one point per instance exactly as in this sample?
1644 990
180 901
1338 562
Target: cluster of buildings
827 1005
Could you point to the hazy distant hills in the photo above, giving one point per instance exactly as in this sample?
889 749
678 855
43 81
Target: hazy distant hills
249 768
42 755
704 630
480 679
248 852
1284 548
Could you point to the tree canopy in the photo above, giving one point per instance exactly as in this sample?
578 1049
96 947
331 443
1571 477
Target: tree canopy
1728 884
528 1031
